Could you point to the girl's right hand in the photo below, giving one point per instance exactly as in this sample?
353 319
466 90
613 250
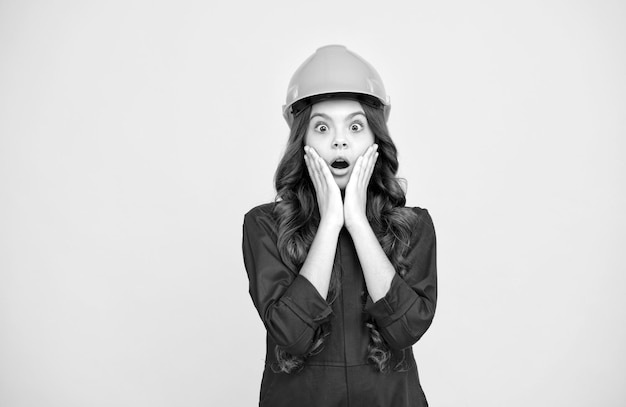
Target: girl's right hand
327 191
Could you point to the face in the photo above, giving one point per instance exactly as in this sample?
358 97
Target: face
339 132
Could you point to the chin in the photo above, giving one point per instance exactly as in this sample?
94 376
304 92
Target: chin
341 183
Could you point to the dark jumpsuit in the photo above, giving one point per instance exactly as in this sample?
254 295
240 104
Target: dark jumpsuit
292 310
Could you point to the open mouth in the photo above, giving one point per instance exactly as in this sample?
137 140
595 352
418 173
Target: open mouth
340 164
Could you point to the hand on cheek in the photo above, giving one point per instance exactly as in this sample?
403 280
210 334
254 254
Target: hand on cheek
356 191
326 190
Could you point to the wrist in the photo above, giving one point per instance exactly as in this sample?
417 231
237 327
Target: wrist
357 223
329 226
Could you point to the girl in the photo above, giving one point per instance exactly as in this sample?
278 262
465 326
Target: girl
342 274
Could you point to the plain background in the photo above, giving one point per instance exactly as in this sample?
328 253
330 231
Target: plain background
134 135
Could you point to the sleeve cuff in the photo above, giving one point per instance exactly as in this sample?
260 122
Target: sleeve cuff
393 305
306 302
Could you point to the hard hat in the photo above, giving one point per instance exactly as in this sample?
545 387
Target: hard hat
332 70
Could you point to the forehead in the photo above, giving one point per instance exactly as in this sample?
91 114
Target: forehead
337 107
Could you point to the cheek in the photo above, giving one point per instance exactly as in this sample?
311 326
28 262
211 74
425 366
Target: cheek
366 141
310 141
364 146
317 144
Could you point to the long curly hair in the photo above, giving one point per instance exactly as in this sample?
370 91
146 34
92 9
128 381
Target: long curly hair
297 217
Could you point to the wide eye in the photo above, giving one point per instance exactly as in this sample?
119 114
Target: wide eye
321 128
356 127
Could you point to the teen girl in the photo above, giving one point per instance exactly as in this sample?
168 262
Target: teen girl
342 274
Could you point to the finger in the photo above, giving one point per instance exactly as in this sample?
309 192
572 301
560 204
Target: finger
325 171
313 172
371 164
319 177
370 171
314 159
320 165
356 172
309 164
365 163
308 168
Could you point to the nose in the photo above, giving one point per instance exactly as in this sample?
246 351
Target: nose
339 141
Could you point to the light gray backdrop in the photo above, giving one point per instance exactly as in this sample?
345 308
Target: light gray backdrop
134 135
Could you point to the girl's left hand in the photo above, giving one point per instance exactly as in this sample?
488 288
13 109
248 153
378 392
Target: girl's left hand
355 201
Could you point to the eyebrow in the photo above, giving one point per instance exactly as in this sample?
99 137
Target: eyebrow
327 117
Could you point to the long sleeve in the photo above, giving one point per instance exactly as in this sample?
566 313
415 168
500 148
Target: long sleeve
408 308
289 306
